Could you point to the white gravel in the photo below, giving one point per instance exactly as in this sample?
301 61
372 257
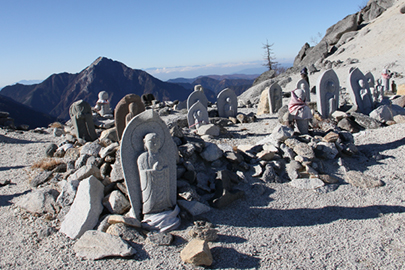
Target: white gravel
284 228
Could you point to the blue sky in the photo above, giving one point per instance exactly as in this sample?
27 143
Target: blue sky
168 39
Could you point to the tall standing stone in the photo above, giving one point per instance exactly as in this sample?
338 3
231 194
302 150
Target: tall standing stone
303 84
197 95
123 109
148 156
359 91
370 79
82 120
327 94
197 115
275 98
227 103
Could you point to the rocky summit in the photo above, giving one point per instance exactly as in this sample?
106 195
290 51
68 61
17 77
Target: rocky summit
252 190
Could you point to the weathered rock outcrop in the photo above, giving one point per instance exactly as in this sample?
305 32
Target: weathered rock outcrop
338 33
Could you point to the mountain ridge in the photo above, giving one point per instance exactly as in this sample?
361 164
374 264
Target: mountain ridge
56 93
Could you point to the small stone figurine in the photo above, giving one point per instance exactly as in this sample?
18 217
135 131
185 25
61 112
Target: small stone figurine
103 104
300 111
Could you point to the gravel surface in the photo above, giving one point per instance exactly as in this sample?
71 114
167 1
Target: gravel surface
280 227
276 226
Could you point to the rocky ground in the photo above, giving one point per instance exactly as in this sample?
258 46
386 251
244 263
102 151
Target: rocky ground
275 226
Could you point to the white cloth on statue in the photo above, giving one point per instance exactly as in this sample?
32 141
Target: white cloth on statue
162 222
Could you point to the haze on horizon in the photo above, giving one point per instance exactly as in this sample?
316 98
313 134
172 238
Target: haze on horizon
167 39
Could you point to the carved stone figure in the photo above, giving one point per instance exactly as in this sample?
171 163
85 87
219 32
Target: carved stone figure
227 103
327 94
300 111
303 84
148 156
359 91
82 120
122 110
370 79
385 79
147 99
133 111
275 98
152 168
198 87
366 97
103 104
197 115
378 93
197 95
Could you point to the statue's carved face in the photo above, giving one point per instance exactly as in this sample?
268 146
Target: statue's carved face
103 95
361 83
152 142
330 87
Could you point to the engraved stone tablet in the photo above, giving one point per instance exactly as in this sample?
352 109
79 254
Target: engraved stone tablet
227 103
327 94
275 97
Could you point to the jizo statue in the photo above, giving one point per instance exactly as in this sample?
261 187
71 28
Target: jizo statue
148 156
82 120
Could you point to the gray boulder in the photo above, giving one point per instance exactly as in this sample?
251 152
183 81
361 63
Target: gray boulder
335 32
95 245
39 201
312 54
211 152
85 210
374 9
358 179
91 148
382 114
366 121
253 93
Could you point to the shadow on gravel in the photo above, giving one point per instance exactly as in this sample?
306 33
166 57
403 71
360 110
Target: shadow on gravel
5 139
229 258
230 239
10 168
373 148
5 200
371 154
254 217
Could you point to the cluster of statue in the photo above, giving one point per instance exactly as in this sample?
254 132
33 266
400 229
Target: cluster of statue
148 153
197 103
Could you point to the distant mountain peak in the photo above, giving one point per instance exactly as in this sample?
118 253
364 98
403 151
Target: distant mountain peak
55 95
100 59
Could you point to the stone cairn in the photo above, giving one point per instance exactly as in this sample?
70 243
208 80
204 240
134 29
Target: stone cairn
86 196
6 121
